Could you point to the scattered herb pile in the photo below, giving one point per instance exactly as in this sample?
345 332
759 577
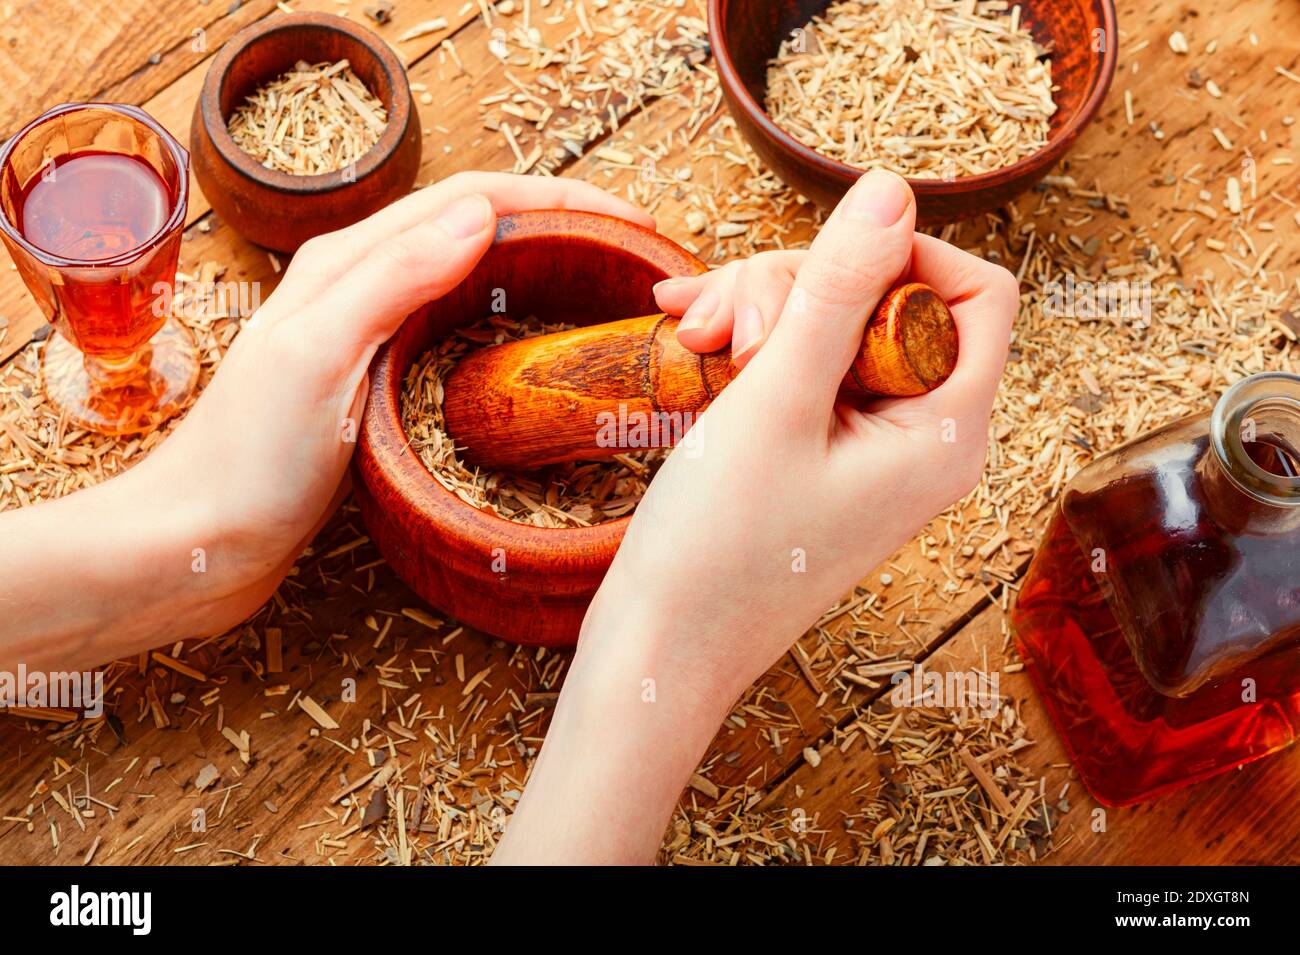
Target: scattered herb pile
811 764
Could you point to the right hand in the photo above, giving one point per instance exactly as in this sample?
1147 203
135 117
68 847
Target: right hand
792 496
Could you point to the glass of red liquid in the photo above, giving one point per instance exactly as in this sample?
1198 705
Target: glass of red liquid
93 199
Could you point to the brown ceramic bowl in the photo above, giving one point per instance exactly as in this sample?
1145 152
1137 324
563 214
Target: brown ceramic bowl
746 34
577 267
275 209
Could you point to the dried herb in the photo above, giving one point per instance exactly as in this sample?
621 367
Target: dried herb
312 120
927 88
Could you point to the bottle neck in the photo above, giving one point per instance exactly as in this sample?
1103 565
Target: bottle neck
1254 460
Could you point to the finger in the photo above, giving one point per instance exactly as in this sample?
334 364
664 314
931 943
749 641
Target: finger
762 288
320 262
952 272
369 301
706 325
857 256
507 193
676 294
948 428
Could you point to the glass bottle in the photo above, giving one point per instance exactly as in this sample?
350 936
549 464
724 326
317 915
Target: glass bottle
1160 618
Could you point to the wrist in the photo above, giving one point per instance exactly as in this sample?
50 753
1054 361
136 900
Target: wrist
631 727
635 655
171 560
114 573
199 559
677 645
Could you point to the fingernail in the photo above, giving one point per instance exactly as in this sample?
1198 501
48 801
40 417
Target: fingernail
748 331
879 197
667 284
700 311
465 217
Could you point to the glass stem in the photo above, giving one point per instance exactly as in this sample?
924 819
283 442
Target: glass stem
111 373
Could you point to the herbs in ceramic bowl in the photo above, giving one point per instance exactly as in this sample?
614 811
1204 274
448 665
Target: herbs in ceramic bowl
314 119
927 88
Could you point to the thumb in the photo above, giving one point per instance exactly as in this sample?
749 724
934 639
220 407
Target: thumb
401 273
860 252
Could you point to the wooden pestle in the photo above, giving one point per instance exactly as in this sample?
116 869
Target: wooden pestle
543 400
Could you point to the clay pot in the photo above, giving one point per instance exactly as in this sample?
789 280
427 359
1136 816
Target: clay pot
576 267
275 209
746 34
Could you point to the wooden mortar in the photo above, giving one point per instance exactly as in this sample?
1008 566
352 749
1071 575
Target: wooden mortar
522 583
543 400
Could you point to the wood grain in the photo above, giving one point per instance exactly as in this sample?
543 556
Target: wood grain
785 711
1240 817
283 799
66 50
554 398
173 107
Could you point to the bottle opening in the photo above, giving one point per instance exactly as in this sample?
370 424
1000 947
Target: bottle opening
1274 459
1256 435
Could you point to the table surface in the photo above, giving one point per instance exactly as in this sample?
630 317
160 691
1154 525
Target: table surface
456 717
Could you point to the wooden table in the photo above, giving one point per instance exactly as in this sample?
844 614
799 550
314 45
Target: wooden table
463 714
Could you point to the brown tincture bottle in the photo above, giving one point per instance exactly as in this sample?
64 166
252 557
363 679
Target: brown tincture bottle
1160 618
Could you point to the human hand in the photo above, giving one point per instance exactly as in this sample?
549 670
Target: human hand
264 452
783 500
259 463
736 305
790 497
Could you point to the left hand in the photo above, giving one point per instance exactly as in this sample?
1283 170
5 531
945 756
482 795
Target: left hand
196 537
263 454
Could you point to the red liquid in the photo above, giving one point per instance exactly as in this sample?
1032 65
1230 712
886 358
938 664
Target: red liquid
94 206
1141 663
90 208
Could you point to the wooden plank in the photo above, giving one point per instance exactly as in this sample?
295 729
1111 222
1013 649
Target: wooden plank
157 835
450 147
342 627
1240 817
924 624
76 50
459 95
1107 154
785 712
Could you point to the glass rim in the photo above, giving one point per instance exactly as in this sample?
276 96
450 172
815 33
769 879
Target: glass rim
179 208
1229 414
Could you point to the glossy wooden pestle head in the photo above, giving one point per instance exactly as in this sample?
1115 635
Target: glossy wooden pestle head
909 347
